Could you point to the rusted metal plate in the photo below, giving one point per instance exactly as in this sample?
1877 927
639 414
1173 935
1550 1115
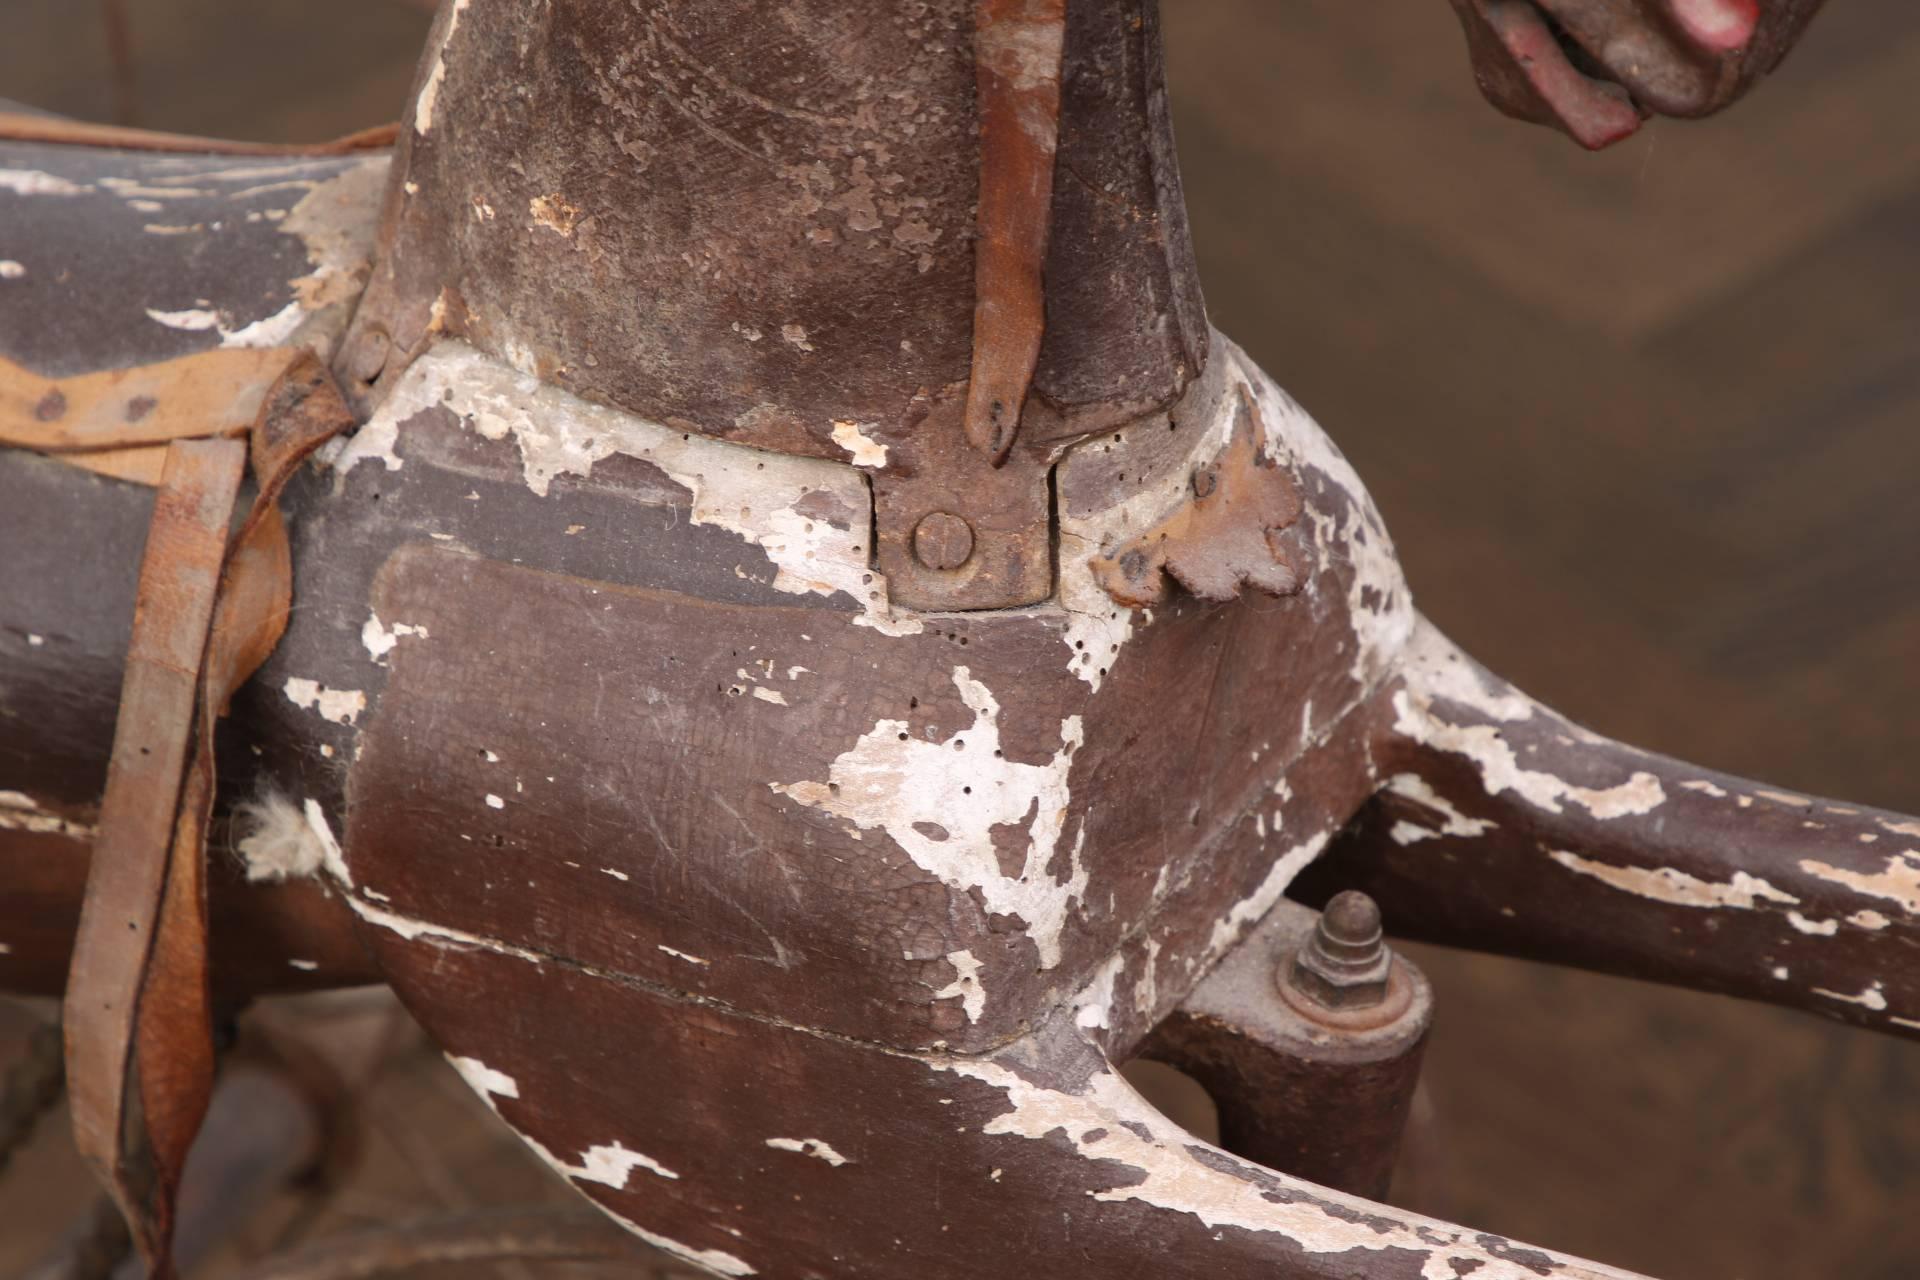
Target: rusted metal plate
1231 530
1007 537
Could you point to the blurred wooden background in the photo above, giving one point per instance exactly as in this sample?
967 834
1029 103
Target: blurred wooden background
1646 427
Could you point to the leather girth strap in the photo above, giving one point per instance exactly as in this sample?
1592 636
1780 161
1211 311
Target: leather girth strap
212 603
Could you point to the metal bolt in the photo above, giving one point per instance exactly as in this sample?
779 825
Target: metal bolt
1346 963
942 541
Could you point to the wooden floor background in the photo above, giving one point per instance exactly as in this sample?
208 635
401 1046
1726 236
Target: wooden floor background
1646 428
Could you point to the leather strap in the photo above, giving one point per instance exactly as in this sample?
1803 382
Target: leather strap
209 609
129 882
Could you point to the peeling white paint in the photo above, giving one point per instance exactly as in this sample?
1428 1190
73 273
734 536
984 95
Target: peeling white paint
21 812
1784 797
11 270
275 330
332 861
1868 920
305 966
434 934
748 492
1666 884
609 1164
430 91
717 1261
1817 928
335 222
966 985
380 640
1900 828
1705 788
770 695
814 1147
193 320
1155 1162
1379 606
1872 998
268 331
1094 1002
483 1079
1436 671
680 955
35 182
130 188
1898 882
1415 788
1096 627
342 706
965 787
495 802
1780 972
862 449
1228 930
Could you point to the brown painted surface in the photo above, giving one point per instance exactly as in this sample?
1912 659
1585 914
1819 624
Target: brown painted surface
1369 473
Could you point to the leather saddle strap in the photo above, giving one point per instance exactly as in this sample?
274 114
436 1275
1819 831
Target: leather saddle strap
127 884
209 609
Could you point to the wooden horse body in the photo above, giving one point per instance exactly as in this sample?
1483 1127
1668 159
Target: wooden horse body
792 688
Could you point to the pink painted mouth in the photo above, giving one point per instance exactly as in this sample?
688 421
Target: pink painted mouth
1596 114
1720 26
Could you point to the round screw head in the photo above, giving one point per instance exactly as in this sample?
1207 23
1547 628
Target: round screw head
942 541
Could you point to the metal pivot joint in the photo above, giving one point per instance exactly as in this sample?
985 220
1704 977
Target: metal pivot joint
1314 1078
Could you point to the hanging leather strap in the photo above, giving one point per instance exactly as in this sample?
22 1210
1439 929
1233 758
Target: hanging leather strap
211 604
133 881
